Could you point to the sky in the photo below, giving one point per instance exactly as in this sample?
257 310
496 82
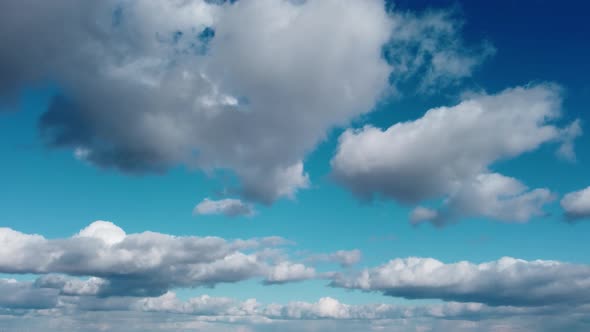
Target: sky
283 165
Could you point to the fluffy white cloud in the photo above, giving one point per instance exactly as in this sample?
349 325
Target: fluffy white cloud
251 86
507 281
288 272
106 231
228 206
489 195
577 204
448 152
143 264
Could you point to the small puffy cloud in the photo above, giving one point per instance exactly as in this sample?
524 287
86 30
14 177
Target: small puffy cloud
421 214
105 231
229 207
489 195
507 281
289 272
447 154
577 205
345 258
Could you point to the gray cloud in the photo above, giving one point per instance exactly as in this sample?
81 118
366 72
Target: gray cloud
144 86
447 154
23 295
229 207
507 281
88 313
577 204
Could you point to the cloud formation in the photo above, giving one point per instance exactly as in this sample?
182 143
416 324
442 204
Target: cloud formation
447 154
229 207
145 86
507 281
577 205
345 258
83 313
144 264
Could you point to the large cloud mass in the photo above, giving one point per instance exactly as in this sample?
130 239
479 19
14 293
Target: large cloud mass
250 86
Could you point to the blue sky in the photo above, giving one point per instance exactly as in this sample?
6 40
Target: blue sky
151 128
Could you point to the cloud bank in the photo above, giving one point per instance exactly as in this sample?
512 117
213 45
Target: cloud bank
507 281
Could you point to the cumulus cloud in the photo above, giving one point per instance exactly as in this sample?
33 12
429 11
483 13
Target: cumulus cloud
448 152
507 281
288 272
490 195
229 207
144 86
577 205
144 264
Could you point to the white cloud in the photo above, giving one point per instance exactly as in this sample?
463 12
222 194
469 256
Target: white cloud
144 264
507 281
289 272
577 204
490 195
448 152
106 231
228 207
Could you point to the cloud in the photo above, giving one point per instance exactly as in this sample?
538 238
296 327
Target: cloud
23 295
288 272
448 152
106 231
507 281
229 207
490 195
438 58
155 313
577 205
144 264
345 258
145 86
